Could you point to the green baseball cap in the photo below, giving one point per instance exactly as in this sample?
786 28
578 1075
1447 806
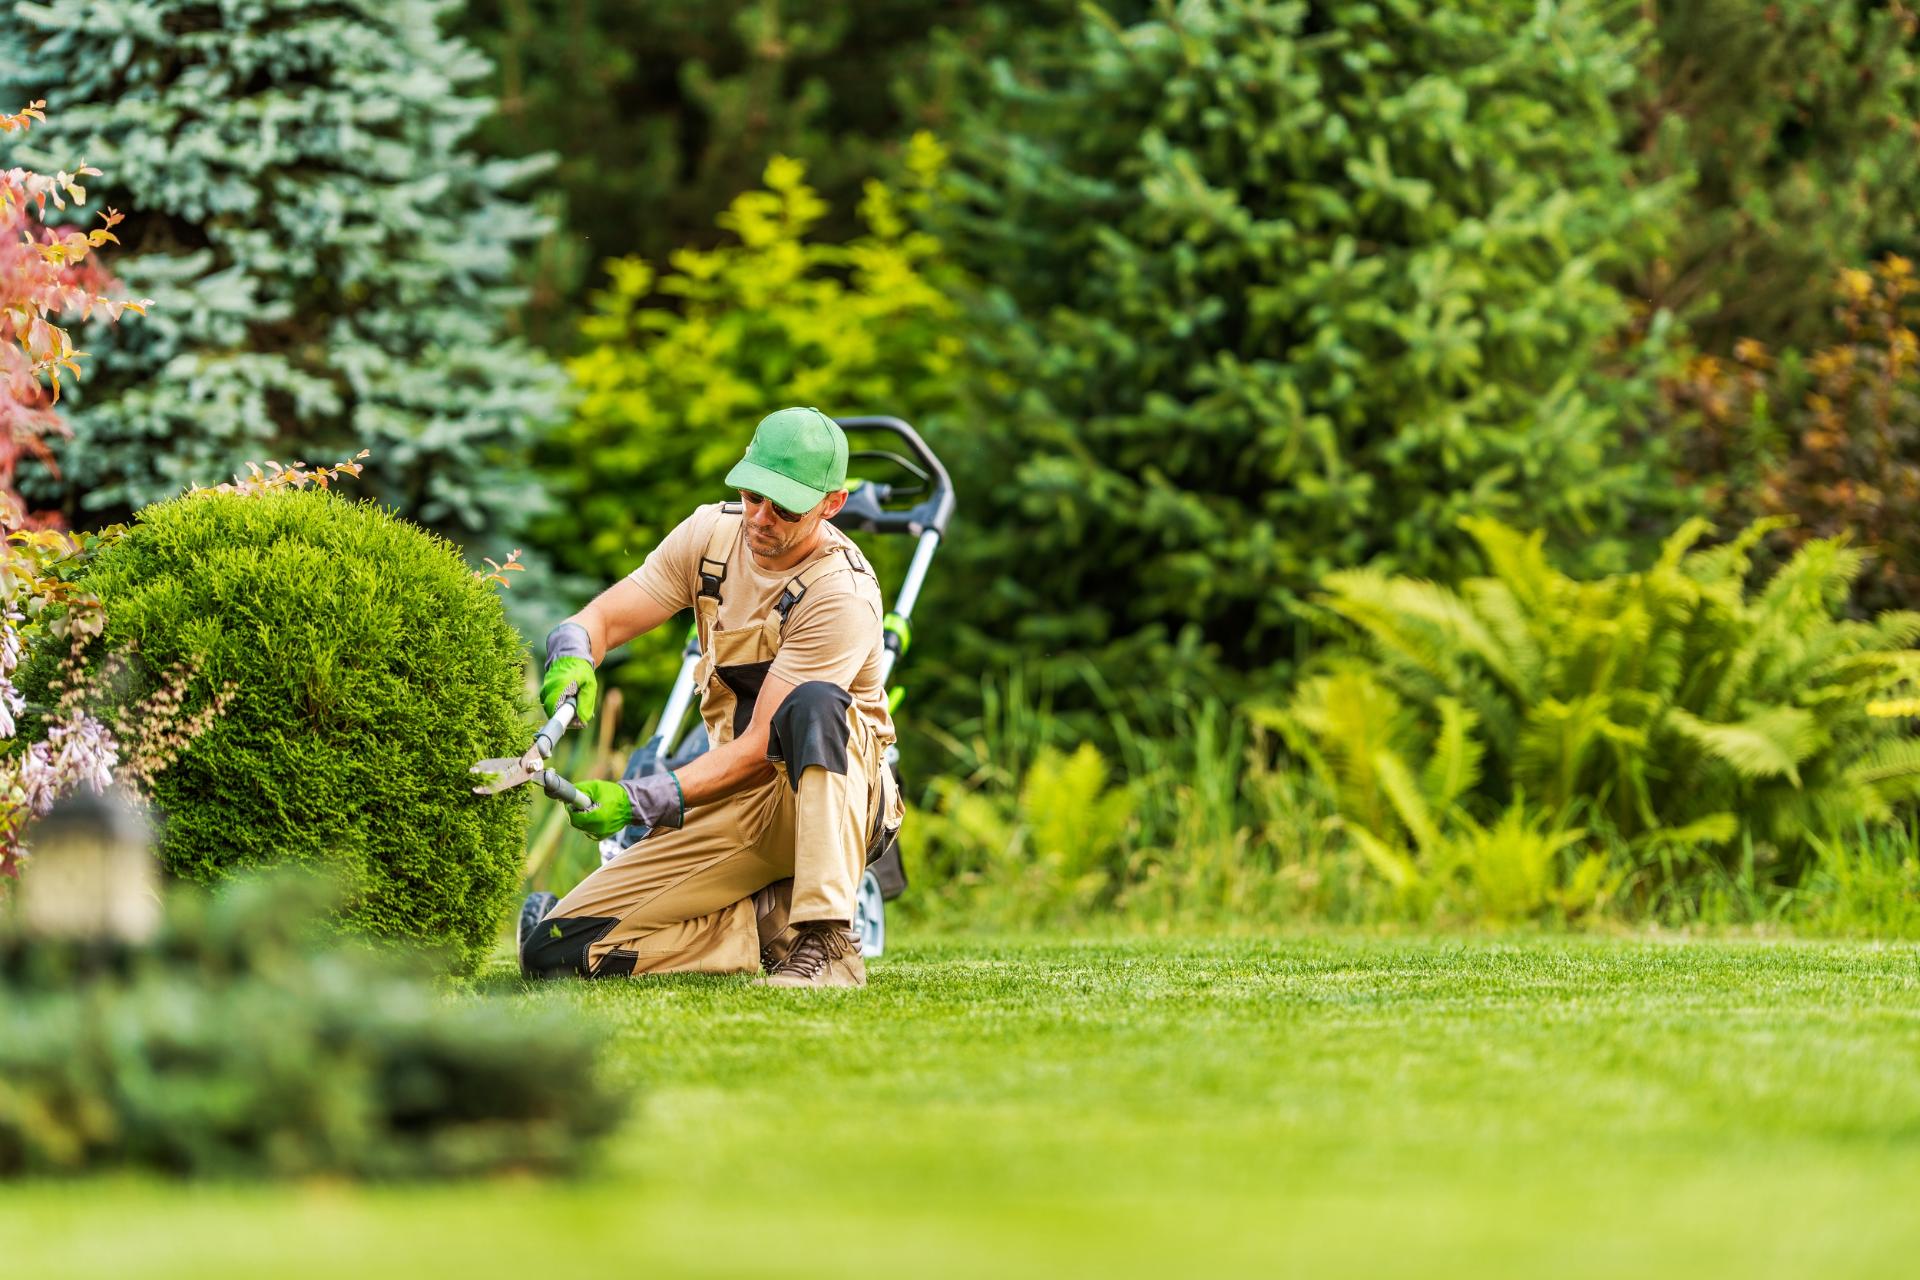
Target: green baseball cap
797 457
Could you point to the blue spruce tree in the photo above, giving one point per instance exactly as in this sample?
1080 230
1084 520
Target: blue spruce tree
331 269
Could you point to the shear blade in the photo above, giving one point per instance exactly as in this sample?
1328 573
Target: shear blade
505 773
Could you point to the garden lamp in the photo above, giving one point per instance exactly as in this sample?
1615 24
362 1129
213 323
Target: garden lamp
91 876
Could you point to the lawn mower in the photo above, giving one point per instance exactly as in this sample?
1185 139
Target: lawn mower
915 476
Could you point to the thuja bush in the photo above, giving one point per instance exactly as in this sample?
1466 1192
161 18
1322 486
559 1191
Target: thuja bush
365 667
245 1041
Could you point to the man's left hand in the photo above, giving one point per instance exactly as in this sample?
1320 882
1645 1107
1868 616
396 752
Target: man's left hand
653 800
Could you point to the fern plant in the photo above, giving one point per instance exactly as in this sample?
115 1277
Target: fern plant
1672 706
1042 855
1403 786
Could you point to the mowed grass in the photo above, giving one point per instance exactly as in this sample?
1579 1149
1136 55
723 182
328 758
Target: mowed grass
1322 1105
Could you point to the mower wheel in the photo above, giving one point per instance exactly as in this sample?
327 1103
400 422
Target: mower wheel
870 916
532 912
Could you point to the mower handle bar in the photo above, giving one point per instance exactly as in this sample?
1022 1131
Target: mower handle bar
930 513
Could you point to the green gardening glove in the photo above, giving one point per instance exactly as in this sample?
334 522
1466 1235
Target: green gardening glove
654 800
553 687
611 811
570 660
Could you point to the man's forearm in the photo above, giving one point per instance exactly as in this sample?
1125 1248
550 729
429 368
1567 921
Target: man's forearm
590 621
718 773
618 614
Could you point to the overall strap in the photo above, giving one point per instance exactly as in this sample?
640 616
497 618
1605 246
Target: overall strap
713 562
840 560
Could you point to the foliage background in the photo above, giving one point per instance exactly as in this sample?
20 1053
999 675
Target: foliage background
661 113
332 265
1273 289
1794 126
1215 308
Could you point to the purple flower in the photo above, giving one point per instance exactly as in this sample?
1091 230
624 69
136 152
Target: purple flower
77 749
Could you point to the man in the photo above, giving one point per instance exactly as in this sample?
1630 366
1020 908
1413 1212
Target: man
758 845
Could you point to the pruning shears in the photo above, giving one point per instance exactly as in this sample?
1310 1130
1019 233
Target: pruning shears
506 772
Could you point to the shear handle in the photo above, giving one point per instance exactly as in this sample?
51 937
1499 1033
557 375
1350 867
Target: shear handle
550 732
562 790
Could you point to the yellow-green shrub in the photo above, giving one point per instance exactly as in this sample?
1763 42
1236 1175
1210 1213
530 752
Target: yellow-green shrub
684 362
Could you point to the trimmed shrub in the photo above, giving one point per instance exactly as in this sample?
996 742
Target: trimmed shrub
368 670
244 1042
1279 288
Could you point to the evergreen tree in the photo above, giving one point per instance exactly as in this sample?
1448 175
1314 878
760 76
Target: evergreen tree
663 112
329 266
1796 122
1278 288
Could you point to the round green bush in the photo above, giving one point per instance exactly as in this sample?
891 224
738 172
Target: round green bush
370 670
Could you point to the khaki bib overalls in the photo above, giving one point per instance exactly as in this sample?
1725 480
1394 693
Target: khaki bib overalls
681 901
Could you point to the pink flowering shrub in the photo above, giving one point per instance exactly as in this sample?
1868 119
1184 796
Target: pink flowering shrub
48 272
37 598
44 272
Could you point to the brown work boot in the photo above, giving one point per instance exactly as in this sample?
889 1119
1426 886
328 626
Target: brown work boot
823 955
771 907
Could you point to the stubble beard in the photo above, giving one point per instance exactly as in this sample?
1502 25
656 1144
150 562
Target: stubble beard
776 544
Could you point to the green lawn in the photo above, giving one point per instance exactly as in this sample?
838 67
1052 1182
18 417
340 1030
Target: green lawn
1537 1107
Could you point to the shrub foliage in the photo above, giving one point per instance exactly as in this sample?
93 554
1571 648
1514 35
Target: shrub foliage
242 1043
47 274
1794 123
662 108
368 668
1830 439
1670 708
1276 289
331 267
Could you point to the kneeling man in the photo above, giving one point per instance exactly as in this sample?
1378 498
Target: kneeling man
759 844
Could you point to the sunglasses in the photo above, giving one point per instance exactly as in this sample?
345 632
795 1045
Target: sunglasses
753 499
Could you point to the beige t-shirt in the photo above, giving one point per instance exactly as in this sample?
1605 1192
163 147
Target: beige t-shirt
834 633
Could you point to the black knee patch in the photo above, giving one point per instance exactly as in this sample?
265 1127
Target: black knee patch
810 728
556 948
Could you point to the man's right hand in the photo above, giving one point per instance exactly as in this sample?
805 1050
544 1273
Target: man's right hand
570 661
566 671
